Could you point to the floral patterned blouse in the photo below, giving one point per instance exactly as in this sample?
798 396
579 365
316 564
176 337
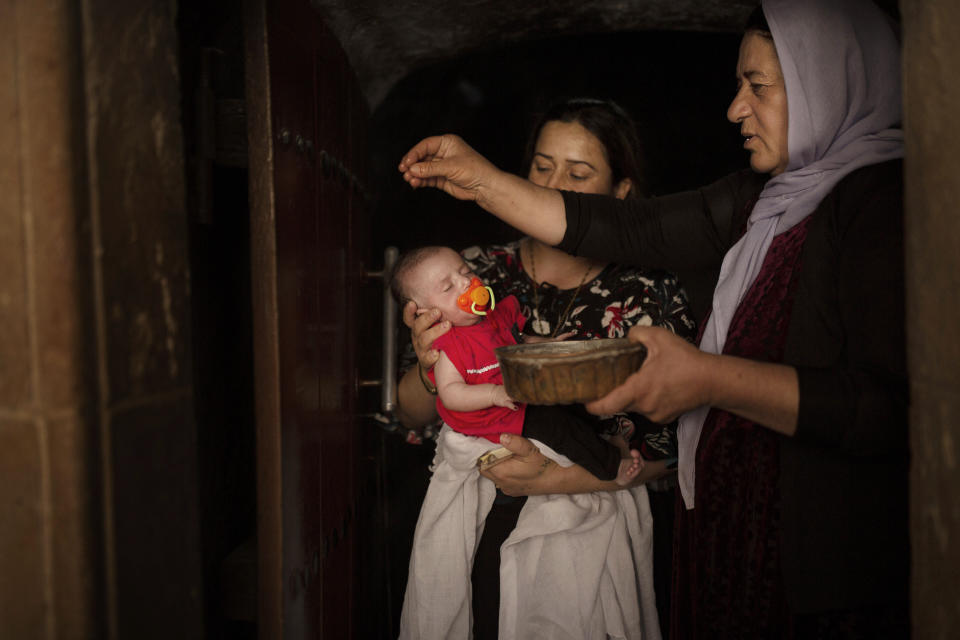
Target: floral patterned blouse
618 298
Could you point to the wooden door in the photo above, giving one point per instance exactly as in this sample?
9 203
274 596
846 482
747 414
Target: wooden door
306 121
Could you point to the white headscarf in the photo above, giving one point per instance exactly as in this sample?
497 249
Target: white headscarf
841 67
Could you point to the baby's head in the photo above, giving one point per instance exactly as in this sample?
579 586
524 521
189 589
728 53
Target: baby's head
433 277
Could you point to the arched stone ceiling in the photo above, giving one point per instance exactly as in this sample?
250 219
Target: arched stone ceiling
385 40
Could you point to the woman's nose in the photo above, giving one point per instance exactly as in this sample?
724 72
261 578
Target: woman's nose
553 180
738 109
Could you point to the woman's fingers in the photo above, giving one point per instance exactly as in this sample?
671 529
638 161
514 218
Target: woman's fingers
448 163
424 344
518 445
674 378
419 320
424 163
526 464
410 313
623 398
424 329
428 359
426 149
627 396
425 318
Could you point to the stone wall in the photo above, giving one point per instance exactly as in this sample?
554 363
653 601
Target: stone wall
50 524
98 522
931 105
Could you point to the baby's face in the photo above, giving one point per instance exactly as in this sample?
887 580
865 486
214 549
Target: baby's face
438 281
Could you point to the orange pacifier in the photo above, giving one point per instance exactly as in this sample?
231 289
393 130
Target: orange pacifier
477 299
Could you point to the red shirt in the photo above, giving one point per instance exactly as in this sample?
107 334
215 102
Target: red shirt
470 349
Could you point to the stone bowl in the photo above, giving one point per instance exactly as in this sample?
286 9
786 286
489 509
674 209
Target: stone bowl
568 372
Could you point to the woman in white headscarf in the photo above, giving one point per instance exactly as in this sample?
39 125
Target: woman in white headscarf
793 434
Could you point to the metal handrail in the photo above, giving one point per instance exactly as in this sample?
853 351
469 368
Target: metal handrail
388 373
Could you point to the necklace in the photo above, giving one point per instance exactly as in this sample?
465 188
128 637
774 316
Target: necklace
561 318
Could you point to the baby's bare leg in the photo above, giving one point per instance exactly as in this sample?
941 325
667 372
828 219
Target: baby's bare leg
630 464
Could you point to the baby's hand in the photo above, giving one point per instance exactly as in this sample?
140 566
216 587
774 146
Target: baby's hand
501 399
537 339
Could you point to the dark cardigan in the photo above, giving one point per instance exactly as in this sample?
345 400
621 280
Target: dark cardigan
843 476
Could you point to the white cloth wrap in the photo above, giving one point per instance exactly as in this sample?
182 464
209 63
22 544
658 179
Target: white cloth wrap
576 566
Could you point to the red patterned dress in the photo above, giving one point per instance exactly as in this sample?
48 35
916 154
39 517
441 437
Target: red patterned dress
718 593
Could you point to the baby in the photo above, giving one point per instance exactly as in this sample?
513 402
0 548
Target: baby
471 397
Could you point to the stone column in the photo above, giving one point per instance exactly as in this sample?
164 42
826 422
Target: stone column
51 570
931 64
98 473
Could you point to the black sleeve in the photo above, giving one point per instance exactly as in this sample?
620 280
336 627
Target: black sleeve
858 404
678 232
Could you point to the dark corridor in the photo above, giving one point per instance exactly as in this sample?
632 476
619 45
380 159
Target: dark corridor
489 97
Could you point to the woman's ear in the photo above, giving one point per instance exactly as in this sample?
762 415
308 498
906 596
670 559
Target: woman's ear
623 188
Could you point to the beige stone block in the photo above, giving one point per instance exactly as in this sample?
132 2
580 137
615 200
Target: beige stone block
932 235
50 162
931 100
14 343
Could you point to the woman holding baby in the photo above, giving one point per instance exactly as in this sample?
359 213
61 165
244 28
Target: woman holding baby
588 146
793 436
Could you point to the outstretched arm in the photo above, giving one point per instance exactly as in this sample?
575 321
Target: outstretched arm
677 377
450 164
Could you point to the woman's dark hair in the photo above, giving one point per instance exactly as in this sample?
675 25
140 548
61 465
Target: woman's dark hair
757 22
610 124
